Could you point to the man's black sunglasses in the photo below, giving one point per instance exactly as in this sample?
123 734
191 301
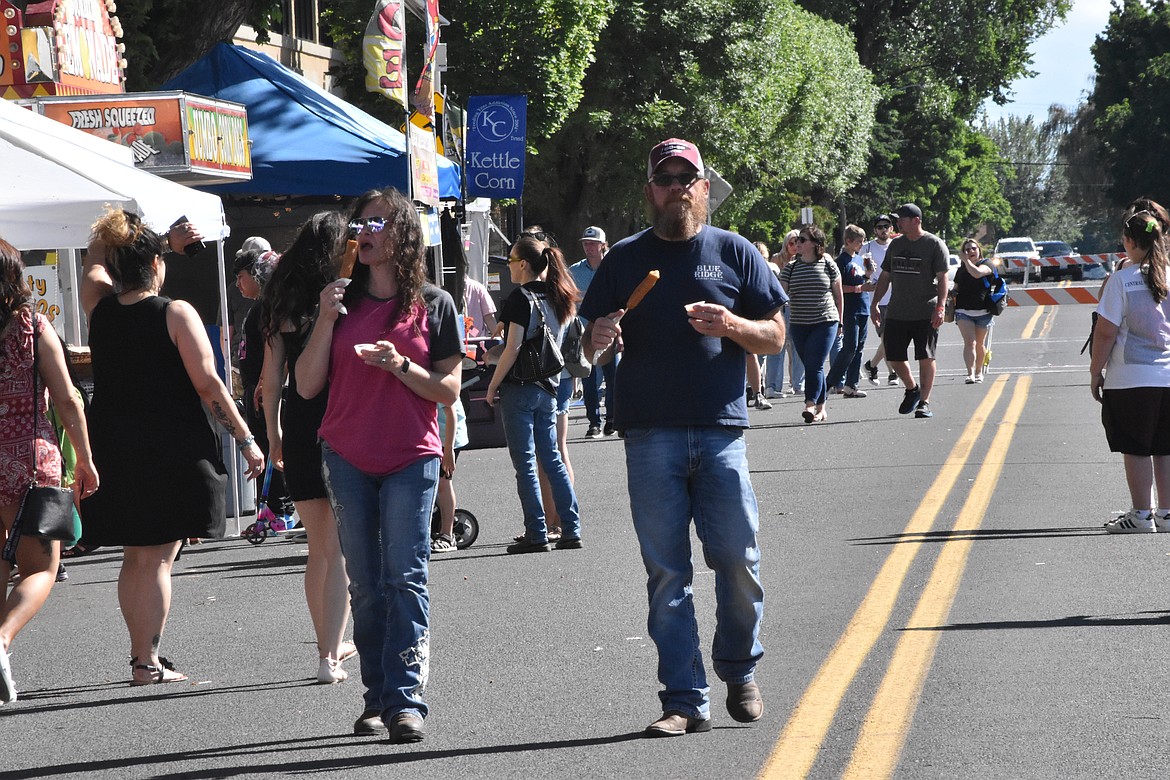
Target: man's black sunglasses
685 179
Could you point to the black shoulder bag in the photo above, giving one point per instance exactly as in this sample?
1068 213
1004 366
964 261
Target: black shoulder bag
45 511
540 357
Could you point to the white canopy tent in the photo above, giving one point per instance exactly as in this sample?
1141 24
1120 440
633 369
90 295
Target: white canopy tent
57 183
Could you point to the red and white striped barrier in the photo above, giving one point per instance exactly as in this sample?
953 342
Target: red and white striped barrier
1064 261
1055 296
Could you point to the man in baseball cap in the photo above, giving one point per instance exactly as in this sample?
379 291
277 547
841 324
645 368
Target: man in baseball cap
714 302
594 244
915 270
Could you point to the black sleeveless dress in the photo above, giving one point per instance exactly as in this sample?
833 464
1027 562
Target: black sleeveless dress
157 455
299 420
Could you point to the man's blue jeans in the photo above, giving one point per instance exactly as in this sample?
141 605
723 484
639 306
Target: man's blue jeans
592 396
676 475
531 430
385 527
846 366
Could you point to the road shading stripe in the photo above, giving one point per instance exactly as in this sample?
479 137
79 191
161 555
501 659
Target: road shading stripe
883 734
805 732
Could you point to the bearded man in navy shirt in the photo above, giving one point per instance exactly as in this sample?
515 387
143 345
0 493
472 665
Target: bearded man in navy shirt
686 457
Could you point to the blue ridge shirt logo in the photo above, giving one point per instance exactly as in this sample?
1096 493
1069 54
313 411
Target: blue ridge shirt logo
709 273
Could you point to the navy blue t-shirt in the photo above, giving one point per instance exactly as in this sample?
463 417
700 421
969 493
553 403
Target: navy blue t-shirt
669 374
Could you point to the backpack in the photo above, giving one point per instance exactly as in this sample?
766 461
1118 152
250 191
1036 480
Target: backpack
996 293
540 357
573 350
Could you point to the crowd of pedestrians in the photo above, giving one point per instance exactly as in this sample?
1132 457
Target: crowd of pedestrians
328 348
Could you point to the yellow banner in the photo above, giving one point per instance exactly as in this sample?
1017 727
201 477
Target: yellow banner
382 51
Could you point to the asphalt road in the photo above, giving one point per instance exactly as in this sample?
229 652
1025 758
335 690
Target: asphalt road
941 603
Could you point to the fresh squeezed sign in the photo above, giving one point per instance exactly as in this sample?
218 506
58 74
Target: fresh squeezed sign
496 129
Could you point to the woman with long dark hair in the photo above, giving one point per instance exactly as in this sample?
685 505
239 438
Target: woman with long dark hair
1130 371
163 477
529 409
388 345
27 438
289 301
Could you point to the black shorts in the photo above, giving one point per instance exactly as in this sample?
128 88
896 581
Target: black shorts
1137 420
899 333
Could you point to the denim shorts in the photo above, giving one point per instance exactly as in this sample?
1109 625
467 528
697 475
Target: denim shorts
982 321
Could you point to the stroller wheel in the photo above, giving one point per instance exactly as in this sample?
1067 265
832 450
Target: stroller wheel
466 529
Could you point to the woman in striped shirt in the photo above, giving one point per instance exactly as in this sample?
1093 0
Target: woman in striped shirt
813 284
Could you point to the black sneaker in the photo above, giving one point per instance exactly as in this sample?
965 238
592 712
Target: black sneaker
609 429
525 546
910 400
62 575
871 372
594 432
569 544
892 379
923 411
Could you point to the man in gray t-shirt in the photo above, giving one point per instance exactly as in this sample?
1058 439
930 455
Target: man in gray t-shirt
915 270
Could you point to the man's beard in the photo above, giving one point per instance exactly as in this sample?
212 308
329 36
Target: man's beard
680 219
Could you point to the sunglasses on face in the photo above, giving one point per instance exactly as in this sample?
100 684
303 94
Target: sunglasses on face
803 240
515 260
685 179
881 227
970 249
375 224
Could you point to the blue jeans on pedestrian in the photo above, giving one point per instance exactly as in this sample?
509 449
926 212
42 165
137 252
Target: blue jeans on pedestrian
812 344
846 367
774 366
531 430
676 475
384 522
590 387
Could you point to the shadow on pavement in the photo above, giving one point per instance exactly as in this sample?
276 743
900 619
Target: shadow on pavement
1149 618
980 534
332 763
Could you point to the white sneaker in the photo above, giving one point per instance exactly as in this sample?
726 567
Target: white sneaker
978 378
970 379
1132 522
1162 522
853 392
329 671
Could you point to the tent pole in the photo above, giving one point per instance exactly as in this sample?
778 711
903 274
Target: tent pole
225 347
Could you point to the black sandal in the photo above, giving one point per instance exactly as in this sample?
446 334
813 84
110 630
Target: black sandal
158 674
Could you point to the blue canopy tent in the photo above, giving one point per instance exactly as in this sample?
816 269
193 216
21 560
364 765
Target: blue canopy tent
305 141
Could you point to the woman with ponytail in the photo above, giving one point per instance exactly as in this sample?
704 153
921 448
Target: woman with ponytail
163 476
529 409
1130 371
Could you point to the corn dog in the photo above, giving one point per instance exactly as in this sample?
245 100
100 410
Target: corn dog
349 259
640 291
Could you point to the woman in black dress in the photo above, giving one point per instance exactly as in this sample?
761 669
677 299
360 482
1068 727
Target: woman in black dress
289 302
162 473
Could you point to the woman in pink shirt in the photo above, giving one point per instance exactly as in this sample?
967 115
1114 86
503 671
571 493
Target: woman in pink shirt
388 346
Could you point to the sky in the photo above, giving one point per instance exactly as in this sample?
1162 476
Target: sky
1063 63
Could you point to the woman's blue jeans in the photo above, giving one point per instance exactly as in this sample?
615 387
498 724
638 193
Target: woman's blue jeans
385 527
846 367
674 476
812 344
774 368
531 430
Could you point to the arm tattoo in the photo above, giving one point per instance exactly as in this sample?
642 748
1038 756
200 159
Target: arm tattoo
222 418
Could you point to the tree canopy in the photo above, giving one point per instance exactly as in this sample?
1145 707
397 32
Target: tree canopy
1129 110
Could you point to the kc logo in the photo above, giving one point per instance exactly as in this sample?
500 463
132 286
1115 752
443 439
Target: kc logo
496 122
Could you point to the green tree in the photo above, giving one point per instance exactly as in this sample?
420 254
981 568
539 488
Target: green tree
163 37
1129 109
936 61
774 97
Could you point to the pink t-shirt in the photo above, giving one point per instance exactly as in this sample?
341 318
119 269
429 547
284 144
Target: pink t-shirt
373 420
478 302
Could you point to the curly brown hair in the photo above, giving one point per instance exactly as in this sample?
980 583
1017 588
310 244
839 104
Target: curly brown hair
404 248
13 286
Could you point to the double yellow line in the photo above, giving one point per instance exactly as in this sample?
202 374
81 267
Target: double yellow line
883 734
